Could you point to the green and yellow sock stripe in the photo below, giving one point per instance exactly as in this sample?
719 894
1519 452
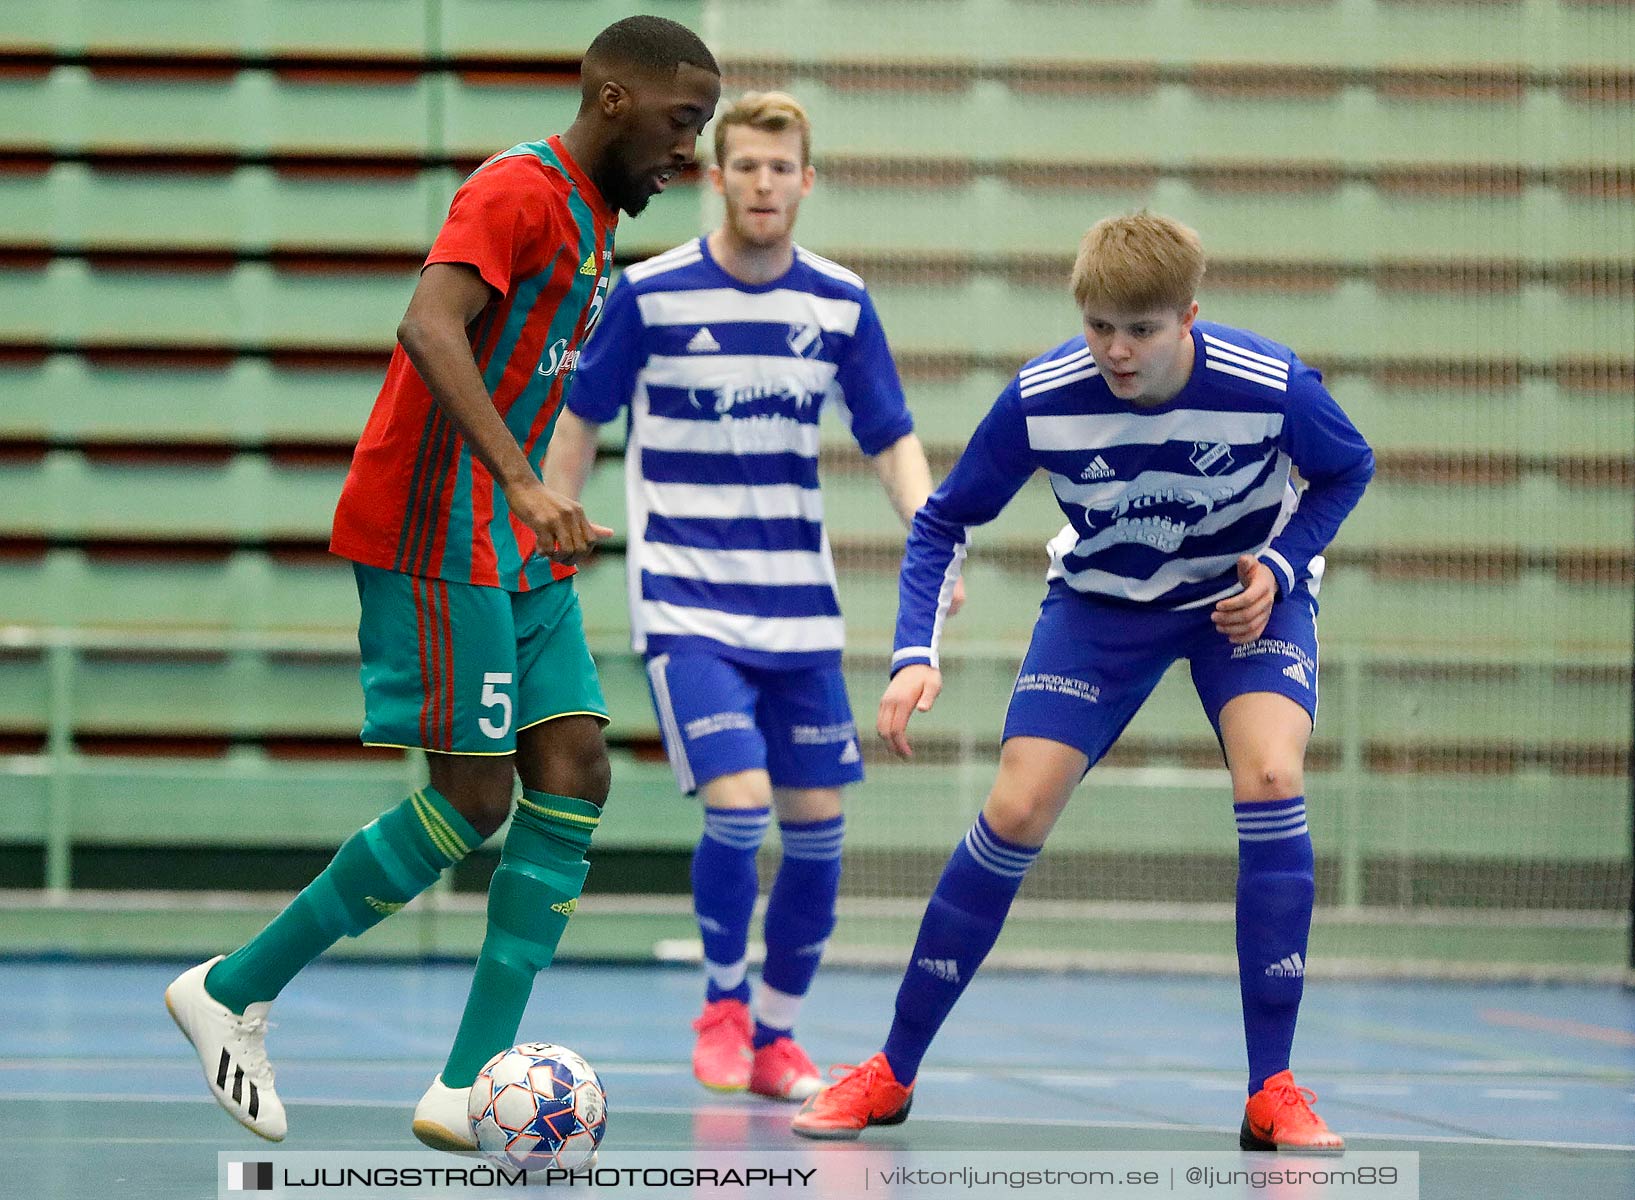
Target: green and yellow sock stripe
438 829
557 814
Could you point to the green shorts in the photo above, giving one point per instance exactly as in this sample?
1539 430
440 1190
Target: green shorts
458 669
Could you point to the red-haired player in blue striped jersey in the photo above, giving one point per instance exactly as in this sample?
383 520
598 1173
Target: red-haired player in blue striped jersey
1171 445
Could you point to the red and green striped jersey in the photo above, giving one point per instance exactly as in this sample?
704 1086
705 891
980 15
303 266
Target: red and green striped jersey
535 228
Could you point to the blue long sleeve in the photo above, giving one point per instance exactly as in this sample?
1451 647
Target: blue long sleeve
1336 464
993 468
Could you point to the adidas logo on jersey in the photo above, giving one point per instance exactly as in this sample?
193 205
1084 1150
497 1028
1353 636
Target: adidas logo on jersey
850 753
588 267
703 342
1098 469
945 969
1289 967
1297 673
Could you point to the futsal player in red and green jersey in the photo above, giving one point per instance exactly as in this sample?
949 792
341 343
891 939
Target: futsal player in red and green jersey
472 644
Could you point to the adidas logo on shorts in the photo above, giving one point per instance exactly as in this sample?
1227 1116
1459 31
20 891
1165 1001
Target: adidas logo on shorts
1297 673
1288 967
945 969
850 753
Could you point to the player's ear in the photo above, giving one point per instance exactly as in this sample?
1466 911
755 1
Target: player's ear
615 98
717 180
1189 314
807 175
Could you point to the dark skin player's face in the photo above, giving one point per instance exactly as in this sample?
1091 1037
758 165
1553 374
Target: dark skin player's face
659 121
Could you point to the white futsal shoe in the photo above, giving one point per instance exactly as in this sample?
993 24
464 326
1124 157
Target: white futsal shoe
232 1050
440 1118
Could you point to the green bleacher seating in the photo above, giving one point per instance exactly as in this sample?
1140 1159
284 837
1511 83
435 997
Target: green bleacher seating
72 108
1357 221
271 304
252 496
495 26
1365 32
247 402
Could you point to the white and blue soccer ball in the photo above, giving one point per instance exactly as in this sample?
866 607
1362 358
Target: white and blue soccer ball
538 1106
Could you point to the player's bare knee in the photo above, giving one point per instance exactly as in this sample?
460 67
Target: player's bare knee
1019 818
1268 782
740 789
579 769
479 787
566 757
594 777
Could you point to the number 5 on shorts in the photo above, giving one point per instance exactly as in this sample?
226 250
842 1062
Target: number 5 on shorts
493 697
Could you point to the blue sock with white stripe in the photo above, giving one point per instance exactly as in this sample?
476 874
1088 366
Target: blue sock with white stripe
724 889
960 926
800 915
1276 887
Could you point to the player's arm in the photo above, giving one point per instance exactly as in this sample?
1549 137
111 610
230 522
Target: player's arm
1336 463
433 334
905 474
994 466
601 387
571 454
569 459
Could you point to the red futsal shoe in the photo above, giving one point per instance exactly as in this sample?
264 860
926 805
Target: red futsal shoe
1279 1117
864 1096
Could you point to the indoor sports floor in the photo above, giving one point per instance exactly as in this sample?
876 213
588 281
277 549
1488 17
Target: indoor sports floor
1503 1090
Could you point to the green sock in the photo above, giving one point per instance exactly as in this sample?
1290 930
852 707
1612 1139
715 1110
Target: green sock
535 890
376 871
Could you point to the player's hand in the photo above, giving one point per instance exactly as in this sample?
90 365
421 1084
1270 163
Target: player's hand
957 601
565 534
1242 618
913 689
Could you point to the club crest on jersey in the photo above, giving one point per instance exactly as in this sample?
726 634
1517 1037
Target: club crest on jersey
559 359
1212 458
805 339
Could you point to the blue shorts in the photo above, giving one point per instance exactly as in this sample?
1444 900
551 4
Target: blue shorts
1092 664
717 716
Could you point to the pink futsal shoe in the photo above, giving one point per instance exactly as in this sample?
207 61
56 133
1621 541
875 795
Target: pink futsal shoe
783 1071
723 1054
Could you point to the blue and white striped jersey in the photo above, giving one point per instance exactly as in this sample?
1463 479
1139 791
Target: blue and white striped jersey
725 382
1160 501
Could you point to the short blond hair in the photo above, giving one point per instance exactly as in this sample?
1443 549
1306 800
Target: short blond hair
1138 263
771 112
